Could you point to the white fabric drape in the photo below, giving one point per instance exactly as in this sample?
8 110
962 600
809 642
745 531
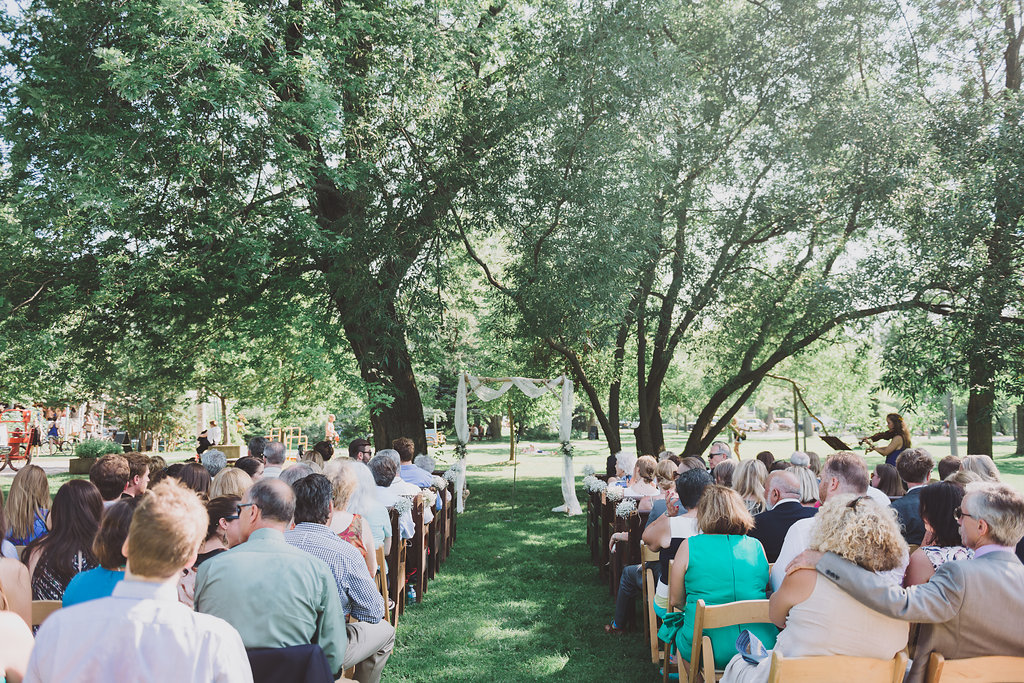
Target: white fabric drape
534 389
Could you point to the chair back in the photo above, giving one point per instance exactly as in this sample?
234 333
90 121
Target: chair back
295 664
816 669
977 669
41 609
718 616
382 579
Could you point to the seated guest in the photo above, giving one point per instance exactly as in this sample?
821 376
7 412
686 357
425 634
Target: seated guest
223 531
718 453
914 466
54 559
948 466
214 461
641 483
28 505
15 646
982 465
274 456
325 449
784 509
196 477
361 450
963 477
886 479
350 527
110 475
748 481
363 500
723 471
156 463
265 576
384 471
720 564
256 447
403 488
767 459
844 472
251 466
814 463
624 465
297 471
409 472
230 481
665 480
138 475
671 529
107 547
141 632
15 590
808 484
806 606
370 638
942 542
968 608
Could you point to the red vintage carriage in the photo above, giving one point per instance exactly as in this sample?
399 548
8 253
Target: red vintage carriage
21 438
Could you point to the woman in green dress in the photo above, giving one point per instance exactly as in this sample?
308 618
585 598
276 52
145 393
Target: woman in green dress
721 564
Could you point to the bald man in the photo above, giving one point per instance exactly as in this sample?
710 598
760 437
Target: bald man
782 491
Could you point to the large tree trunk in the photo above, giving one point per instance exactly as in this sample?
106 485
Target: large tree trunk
385 365
979 408
1020 429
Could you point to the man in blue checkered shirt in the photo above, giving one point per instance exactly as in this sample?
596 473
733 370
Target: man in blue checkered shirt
370 639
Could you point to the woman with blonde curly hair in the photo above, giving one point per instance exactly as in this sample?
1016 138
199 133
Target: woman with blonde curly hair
748 480
807 604
641 484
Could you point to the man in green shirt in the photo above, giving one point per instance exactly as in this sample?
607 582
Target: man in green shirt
273 594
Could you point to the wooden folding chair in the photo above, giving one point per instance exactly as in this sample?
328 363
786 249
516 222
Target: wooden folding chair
702 656
382 581
975 669
827 668
396 568
418 557
650 557
41 609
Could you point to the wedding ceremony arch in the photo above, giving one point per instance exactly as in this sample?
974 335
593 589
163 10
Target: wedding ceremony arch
534 388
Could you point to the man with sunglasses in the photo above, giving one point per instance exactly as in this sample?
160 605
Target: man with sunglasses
969 608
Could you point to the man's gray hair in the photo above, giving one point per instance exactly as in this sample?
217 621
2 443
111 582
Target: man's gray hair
786 483
274 498
665 455
390 453
383 469
719 448
274 453
214 461
425 463
297 471
1001 506
800 458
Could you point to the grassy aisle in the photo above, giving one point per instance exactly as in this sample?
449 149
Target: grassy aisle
517 600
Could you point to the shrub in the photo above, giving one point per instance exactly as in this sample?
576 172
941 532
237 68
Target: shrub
96 448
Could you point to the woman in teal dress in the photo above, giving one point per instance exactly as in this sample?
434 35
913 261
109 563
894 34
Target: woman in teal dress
720 565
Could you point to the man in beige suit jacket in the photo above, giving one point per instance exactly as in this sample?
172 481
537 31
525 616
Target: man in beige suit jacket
970 608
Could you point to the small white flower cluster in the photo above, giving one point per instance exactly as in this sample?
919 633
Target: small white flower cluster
403 505
452 473
614 493
625 508
589 482
440 483
588 470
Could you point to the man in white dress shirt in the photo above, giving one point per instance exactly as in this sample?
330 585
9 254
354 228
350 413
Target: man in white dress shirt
142 633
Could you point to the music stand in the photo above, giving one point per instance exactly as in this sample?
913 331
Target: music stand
835 442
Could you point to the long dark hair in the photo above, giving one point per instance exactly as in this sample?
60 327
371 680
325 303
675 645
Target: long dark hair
889 481
76 512
899 428
936 504
196 477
